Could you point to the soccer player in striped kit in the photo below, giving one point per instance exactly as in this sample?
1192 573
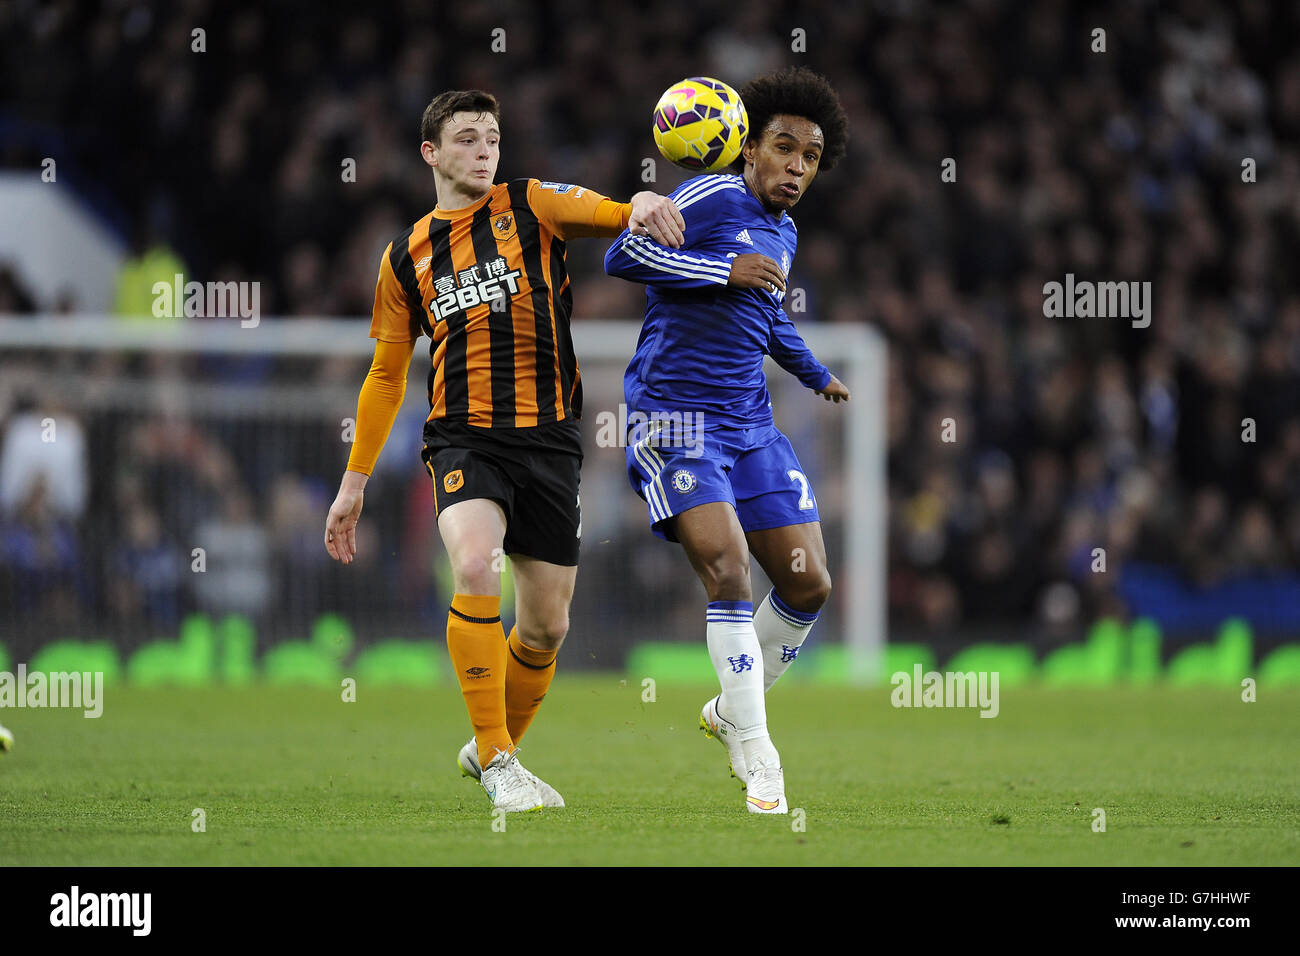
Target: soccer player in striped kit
483 276
735 487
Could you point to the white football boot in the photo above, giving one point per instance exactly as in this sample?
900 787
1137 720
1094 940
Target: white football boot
766 788
724 731
507 786
467 760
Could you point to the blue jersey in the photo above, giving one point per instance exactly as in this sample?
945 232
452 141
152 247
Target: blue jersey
702 345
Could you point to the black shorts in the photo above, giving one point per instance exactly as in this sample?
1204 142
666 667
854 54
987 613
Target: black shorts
532 473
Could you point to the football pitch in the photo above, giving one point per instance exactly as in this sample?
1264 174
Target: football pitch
297 776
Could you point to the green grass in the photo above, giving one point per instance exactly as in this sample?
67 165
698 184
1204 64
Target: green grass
299 777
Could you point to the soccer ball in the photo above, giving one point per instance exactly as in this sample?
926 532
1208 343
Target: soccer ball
700 124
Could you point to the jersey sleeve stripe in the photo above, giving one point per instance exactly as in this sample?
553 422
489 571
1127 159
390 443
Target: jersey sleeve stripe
689 189
675 255
652 257
715 188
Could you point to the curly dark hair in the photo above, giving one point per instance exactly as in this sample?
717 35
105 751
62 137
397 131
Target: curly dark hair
796 91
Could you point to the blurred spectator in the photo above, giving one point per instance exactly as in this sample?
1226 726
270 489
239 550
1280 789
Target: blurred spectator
236 576
151 261
146 568
39 551
45 448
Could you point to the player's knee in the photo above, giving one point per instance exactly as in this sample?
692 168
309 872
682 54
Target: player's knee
727 579
547 634
810 592
819 590
476 573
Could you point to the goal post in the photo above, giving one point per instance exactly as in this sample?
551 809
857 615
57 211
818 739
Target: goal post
865 353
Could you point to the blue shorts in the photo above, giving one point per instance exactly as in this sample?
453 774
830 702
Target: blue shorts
755 470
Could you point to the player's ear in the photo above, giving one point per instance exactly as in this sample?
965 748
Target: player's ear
430 153
748 150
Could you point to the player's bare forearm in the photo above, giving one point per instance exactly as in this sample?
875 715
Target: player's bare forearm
341 523
354 480
835 391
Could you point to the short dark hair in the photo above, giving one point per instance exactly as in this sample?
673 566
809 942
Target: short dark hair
441 108
796 91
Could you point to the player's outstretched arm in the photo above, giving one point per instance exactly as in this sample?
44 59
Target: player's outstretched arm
377 407
658 218
791 352
576 211
637 257
642 260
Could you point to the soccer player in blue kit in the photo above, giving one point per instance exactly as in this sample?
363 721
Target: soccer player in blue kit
717 475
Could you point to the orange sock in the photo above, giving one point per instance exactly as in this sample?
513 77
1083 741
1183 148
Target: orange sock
479 659
528 675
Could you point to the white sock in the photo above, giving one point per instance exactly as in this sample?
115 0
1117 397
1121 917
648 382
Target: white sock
735 651
781 632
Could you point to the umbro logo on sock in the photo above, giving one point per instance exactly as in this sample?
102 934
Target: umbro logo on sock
743 236
476 673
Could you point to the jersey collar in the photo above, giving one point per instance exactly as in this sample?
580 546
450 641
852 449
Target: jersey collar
466 210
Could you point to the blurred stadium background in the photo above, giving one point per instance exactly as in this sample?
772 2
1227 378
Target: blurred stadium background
1072 434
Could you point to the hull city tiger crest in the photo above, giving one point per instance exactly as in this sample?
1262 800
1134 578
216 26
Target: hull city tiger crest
503 226
453 481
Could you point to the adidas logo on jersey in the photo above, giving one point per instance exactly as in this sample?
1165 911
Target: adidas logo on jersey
743 236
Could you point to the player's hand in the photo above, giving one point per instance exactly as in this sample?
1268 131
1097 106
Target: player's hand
754 270
341 525
835 391
657 217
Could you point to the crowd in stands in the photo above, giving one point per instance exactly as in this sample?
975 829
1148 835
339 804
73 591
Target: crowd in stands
1168 156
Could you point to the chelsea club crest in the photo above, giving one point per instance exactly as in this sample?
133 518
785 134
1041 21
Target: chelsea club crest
683 481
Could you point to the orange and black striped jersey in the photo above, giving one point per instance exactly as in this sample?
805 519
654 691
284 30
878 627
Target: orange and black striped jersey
488 285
